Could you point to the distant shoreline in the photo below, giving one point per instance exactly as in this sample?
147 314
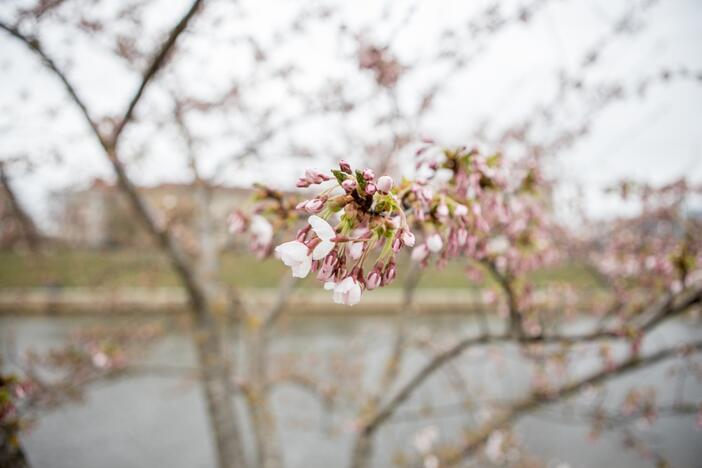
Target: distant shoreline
74 301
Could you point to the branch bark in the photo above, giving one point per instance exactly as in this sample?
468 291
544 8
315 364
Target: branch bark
29 229
215 367
536 401
670 309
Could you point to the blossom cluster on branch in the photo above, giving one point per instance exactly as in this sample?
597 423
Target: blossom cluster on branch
460 203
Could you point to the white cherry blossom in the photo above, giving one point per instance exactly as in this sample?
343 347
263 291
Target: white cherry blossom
296 255
347 291
325 233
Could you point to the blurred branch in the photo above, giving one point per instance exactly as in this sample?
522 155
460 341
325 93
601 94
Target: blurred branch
156 64
34 44
536 401
215 367
684 301
285 290
29 229
507 286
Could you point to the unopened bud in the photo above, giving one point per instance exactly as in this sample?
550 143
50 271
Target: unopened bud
349 185
385 184
345 166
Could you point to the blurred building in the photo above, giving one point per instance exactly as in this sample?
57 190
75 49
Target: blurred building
99 216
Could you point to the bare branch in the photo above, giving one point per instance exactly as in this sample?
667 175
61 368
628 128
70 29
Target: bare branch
505 282
35 46
156 64
286 288
29 229
538 400
688 299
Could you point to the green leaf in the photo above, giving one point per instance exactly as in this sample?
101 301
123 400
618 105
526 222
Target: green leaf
361 182
340 176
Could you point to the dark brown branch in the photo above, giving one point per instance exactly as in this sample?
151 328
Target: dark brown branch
506 284
156 64
29 229
216 369
35 46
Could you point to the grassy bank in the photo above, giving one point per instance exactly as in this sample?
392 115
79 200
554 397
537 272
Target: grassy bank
120 268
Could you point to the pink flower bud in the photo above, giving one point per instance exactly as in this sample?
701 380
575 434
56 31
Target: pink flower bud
462 236
356 250
302 233
301 206
390 273
408 238
314 206
374 279
435 243
345 166
384 184
325 272
396 244
302 183
236 222
461 210
316 264
331 260
368 174
349 185
370 188
315 177
420 253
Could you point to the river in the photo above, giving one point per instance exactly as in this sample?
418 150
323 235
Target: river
159 421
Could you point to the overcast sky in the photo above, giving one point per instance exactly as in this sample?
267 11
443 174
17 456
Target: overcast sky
655 138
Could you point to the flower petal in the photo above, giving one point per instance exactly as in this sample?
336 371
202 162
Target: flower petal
302 269
292 252
322 228
322 249
354 295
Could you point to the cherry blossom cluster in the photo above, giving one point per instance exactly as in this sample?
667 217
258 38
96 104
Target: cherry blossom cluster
62 374
13 390
659 246
482 208
460 203
271 207
354 221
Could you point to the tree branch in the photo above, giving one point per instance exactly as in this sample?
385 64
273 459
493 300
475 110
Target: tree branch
31 234
505 282
686 299
34 44
156 64
538 400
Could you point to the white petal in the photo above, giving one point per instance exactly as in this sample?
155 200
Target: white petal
322 250
442 176
329 285
354 294
420 252
345 285
261 229
356 250
292 252
435 243
302 269
322 228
